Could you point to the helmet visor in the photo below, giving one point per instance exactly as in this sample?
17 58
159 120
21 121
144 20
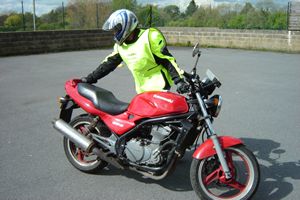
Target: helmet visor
116 29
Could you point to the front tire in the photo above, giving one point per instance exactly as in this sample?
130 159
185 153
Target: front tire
208 180
81 160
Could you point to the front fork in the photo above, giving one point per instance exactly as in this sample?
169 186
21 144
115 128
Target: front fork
214 137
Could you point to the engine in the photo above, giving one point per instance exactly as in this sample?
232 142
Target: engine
148 151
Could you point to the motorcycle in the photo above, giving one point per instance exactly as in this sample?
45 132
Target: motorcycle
153 131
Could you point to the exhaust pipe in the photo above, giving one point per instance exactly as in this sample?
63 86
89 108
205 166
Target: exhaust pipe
80 140
83 142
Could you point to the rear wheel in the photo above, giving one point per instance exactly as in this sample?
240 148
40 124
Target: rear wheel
83 161
209 182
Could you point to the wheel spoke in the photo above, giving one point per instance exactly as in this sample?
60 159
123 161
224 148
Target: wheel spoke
236 185
90 161
83 130
80 156
211 177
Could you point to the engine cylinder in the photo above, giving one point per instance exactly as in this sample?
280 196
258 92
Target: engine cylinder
147 151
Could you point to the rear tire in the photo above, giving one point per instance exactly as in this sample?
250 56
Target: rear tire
206 175
85 162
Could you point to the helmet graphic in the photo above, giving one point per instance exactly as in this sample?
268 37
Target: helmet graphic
122 22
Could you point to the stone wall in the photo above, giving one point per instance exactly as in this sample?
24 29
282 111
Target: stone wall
17 43
287 41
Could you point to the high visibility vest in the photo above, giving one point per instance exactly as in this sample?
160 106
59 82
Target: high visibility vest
147 74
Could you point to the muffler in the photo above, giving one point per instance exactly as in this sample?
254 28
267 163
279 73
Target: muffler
83 142
74 136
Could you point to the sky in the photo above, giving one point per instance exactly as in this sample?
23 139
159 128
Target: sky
45 6
41 6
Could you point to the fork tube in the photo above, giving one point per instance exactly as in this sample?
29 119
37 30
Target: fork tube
214 137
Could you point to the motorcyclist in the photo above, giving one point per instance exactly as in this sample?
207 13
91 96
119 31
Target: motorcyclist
145 53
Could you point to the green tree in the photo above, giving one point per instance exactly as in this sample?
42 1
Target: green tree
277 20
54 16
158 16
237 22
13 21
29 21
142 14
173 11
82 14
52 20
255 20
126 4
266 5
192 7
247 8
2 19
77 12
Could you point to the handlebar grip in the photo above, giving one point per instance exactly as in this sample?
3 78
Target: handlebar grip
187 75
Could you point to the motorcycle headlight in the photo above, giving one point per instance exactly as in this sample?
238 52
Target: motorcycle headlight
214 105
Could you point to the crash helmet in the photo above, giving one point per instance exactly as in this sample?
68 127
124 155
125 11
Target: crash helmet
122 22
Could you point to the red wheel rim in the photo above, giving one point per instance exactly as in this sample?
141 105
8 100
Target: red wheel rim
79 156
215 184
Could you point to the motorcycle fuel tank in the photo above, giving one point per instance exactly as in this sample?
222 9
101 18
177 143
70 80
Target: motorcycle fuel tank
156 104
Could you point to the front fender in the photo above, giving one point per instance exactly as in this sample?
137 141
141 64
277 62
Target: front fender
207 149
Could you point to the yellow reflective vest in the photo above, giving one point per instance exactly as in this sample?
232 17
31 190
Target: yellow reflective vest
139 57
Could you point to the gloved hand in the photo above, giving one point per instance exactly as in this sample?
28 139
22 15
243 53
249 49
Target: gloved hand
182 86
84 80
87 80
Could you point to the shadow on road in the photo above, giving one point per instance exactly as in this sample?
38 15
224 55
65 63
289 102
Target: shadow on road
273 183
179 180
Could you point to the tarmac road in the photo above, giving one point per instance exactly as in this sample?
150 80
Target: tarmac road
261 93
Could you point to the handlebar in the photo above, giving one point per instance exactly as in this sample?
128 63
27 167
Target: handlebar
187 75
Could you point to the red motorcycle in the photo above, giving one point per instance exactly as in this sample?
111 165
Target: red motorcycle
153 131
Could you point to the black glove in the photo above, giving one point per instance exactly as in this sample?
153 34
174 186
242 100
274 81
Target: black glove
84 80
182 86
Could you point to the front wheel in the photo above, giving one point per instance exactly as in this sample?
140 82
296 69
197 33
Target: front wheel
209 182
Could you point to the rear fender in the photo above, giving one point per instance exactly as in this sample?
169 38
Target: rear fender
67 106
207 149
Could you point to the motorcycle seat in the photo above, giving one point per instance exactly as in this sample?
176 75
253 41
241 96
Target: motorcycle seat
102 99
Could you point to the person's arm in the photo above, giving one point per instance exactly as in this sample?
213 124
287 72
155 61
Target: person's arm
162 55
109 64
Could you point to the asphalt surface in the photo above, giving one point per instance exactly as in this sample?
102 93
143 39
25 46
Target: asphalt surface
261 93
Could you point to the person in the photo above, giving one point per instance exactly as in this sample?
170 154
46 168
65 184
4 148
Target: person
145 53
